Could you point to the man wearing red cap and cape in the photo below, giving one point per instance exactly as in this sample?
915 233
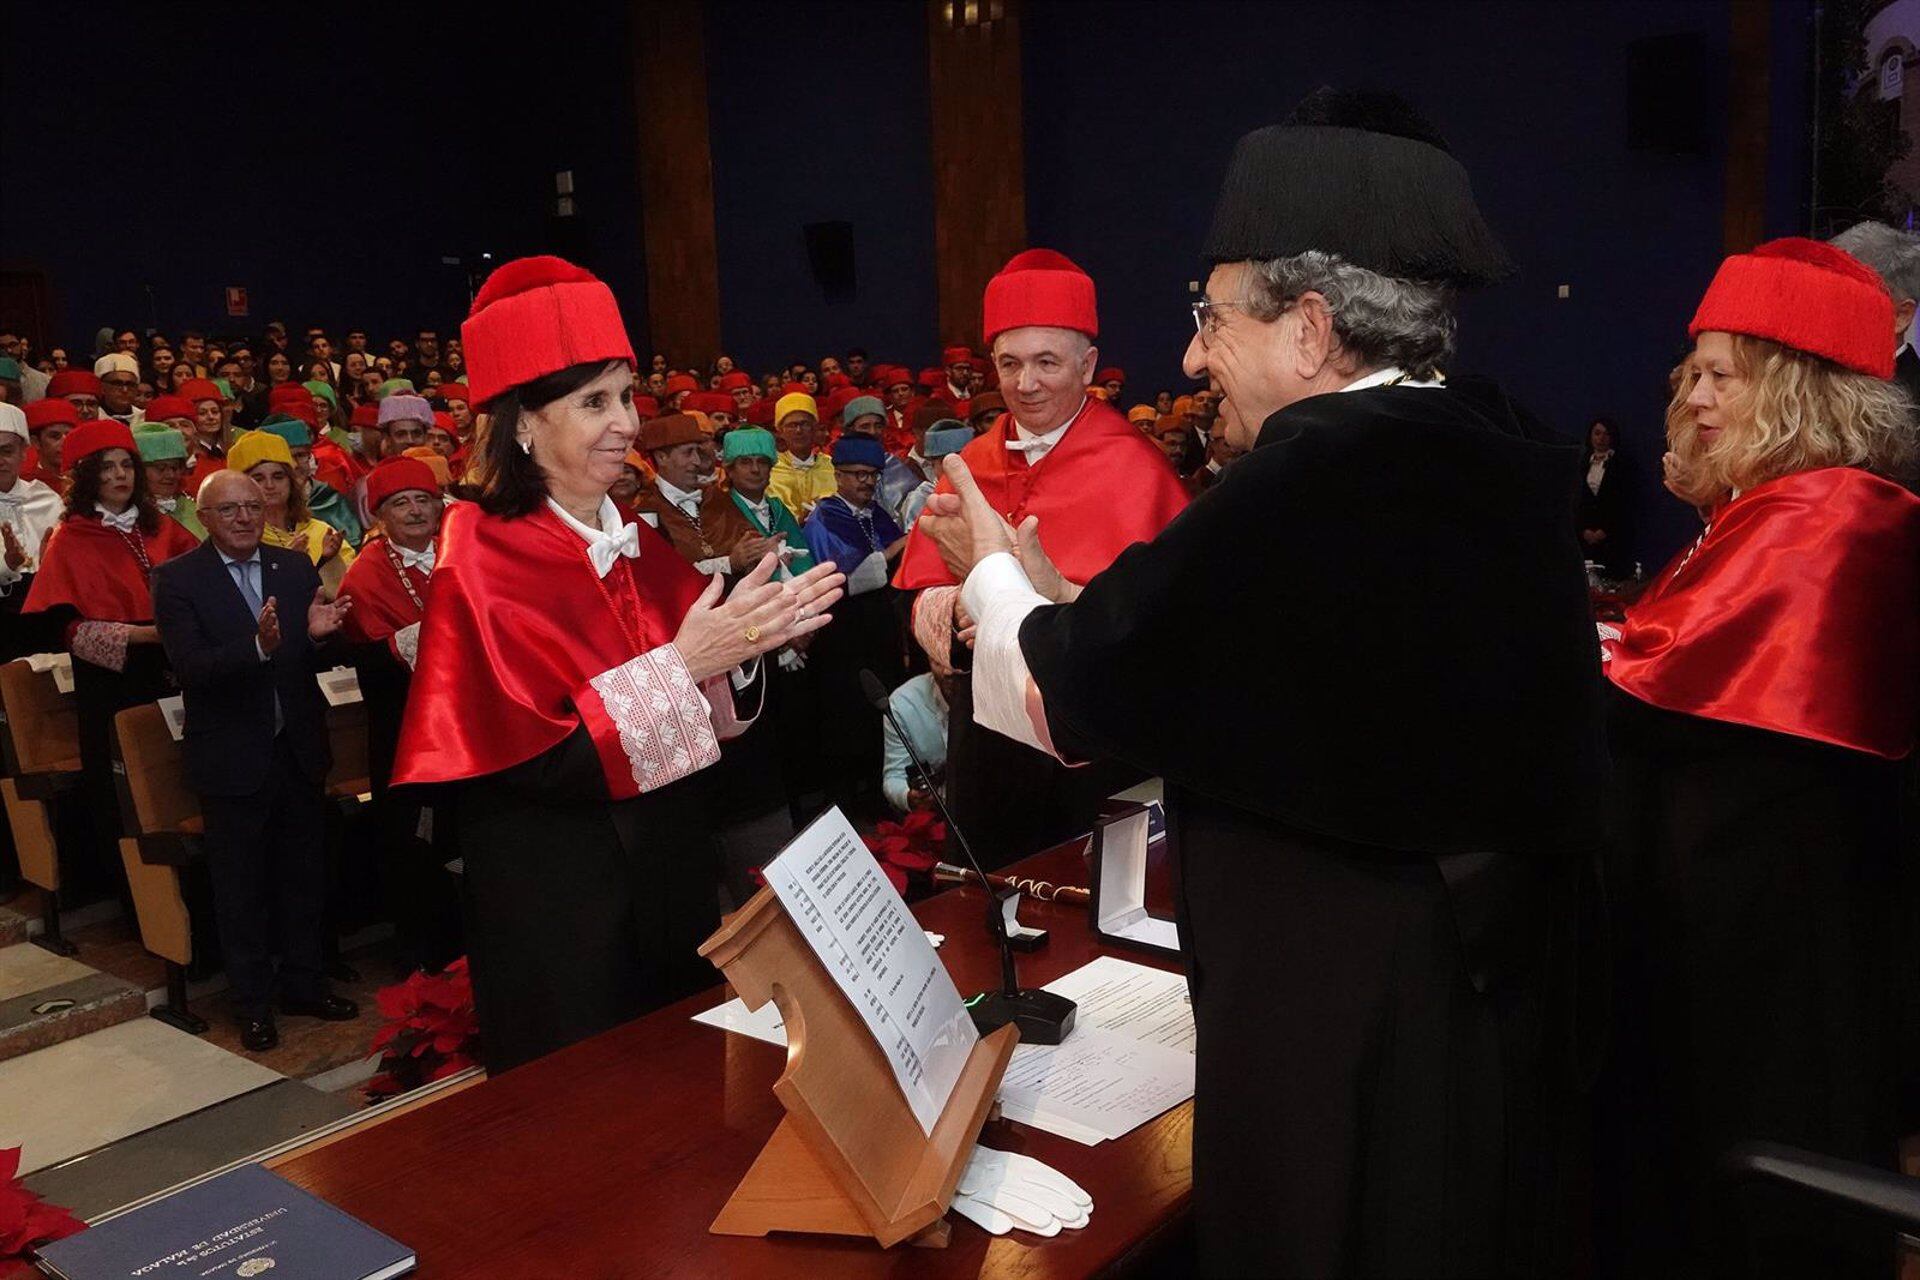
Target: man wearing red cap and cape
1382 791
1097 486
574 680
388 583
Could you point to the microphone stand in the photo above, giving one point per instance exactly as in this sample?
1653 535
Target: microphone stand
1042 1016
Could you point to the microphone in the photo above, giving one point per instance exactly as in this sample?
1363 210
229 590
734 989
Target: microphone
1042 1016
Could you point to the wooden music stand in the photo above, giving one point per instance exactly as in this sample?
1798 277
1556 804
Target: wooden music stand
849 1158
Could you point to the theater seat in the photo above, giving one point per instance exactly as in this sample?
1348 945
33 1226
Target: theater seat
347 734
160 823
40 750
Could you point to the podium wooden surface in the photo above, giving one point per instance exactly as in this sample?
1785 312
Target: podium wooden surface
611 1158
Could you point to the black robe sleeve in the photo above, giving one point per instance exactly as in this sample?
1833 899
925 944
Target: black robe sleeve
1358 685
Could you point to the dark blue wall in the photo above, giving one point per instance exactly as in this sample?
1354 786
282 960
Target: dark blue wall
329 166
1130 119
325 163
818 113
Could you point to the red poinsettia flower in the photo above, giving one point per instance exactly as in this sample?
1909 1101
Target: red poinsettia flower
25 1219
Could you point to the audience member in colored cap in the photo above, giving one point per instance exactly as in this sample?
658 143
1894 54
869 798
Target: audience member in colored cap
29 510
327 501
959 374
849 528
163 456
749 454
266 457
686 504
433 460
948 435
48 422
79 388
905 471
119 375
403 420
801 475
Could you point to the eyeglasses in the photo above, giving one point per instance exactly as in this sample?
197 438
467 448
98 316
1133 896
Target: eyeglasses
1205 322
228 510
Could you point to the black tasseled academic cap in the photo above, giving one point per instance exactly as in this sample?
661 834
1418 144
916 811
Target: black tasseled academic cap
1363 175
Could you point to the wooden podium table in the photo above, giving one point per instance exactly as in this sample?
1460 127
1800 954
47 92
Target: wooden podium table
609 1159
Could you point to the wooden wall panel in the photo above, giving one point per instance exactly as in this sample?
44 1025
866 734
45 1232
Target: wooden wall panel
676 180
1745 219
979 153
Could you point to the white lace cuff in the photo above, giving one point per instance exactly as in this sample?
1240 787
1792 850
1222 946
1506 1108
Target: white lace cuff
649 721
104 644
406 644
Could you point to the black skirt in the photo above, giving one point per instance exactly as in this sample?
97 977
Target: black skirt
1759 906
583 913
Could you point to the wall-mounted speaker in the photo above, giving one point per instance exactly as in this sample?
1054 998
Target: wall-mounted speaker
830 258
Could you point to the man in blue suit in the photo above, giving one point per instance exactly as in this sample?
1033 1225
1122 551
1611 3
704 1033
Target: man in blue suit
240 622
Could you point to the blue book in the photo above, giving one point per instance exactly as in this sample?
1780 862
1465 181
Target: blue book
245 1223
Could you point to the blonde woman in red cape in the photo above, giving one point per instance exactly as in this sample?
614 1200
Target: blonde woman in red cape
1765 689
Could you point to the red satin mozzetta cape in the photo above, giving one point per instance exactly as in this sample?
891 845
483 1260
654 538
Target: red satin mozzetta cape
1798 611
93 570
381 605
1101 489
516 623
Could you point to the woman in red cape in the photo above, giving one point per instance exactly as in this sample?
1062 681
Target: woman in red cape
92 598
573 680
1765 688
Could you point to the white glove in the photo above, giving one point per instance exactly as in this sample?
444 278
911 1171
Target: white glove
1001 1190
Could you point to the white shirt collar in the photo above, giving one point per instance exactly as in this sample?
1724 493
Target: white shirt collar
1037 445
227 559
603 548
675 494
1393 374
803 463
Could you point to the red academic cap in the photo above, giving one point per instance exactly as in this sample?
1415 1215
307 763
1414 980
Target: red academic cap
96 437
198 389
74 382
735 381
536 316
956 355
50 411
1806 295
455 391
165 408
1041 287
364 415
682 382
397 475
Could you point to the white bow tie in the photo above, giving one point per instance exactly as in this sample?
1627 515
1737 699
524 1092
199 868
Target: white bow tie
423 560
606 548
13 500
1036 445
124 522
168 505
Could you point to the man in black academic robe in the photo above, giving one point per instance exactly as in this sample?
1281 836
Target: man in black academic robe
1381 790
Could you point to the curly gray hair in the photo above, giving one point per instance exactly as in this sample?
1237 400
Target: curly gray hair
1892 253
1380 320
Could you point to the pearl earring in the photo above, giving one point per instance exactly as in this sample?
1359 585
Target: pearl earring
526 445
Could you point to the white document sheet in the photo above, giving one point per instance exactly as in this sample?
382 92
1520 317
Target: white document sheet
763 1023
870 943
1132 1000
340 685
1096 1082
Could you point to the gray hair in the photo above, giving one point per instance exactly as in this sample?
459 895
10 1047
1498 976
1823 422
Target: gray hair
1380 320
1892 253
